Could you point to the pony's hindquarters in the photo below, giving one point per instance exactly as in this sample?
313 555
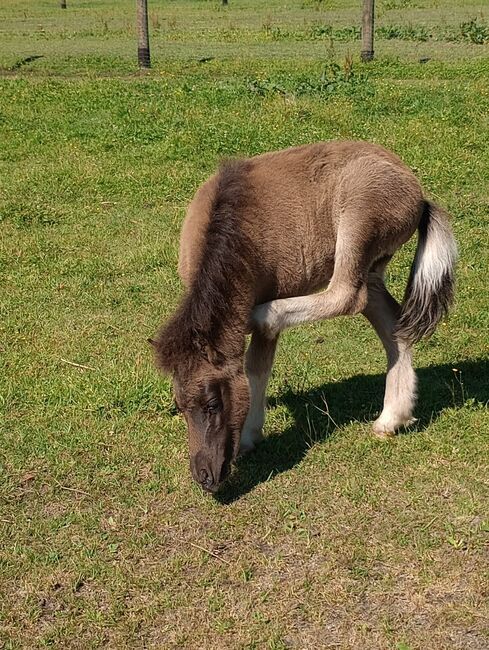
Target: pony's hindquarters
430 289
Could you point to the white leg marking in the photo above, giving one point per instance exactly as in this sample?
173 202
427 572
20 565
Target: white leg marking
259 361
400 394
251 434
400 388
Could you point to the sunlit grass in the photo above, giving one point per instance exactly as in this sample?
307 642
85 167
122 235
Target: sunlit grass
325 537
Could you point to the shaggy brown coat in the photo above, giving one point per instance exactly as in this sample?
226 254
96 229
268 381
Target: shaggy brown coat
260 239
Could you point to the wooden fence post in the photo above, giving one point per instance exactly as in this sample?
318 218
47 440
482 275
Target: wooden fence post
144 59
368 30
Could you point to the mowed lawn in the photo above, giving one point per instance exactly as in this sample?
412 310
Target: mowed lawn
325 537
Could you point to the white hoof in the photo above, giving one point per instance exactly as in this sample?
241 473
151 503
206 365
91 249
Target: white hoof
245 449
388 423
249 439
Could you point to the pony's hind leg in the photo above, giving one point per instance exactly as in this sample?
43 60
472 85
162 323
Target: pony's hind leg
259 361
382 310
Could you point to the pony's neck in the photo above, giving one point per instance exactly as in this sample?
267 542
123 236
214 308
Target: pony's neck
234 332
222 293
215 312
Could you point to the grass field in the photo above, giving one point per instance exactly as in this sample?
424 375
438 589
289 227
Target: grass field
325 537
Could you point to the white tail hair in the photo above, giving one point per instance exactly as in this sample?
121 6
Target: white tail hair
430 289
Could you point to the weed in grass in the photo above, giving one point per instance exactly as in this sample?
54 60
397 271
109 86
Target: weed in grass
267 25
155 21
334 79
343 34
475 30
404 32
316 4
399 4
317 31
401 645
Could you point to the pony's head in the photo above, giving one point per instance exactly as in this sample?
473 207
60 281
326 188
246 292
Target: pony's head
212 393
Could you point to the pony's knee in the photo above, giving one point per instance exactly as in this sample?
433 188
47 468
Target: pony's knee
266 321
350 300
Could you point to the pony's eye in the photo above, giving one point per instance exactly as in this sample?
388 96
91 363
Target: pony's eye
213 406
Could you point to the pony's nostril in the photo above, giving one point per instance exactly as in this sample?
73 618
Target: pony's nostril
203 476
205 479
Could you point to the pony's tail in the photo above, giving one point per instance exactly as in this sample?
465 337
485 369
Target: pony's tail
430 289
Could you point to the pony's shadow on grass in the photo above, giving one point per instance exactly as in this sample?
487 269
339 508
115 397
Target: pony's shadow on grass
319 412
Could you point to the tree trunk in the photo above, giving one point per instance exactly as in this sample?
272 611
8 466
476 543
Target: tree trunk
368 30
143 35
63 4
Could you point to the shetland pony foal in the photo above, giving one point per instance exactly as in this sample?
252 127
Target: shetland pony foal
292 237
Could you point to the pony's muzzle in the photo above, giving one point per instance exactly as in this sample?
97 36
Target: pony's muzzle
207 476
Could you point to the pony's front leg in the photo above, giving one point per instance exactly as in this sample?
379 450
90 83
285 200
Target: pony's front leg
339 299
259 361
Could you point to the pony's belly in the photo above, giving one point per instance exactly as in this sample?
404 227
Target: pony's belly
298 264
306 280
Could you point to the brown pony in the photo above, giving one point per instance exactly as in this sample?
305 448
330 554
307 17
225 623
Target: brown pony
292 237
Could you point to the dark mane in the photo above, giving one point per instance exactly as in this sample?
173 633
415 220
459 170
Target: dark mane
224 272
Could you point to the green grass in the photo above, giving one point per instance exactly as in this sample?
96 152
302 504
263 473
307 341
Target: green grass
325 537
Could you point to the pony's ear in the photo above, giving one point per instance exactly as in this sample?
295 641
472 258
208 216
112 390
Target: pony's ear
165 352
178 343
